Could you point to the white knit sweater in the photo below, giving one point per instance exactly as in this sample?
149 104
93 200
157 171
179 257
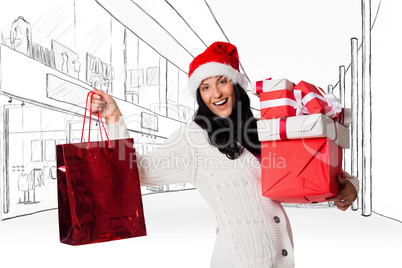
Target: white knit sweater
252 231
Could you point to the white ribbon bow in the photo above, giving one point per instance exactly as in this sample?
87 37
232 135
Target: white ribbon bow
300 106
334 103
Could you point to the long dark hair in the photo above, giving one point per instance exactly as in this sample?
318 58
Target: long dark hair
234 133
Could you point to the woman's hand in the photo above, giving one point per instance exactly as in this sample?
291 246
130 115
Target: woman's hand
107 107
347 192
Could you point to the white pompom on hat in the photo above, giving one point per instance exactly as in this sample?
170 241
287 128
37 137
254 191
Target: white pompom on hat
220 58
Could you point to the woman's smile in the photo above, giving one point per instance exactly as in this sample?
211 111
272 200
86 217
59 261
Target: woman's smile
221 103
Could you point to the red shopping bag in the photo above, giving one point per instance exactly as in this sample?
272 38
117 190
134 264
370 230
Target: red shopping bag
99 196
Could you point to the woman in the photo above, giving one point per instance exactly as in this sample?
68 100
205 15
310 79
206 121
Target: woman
220 153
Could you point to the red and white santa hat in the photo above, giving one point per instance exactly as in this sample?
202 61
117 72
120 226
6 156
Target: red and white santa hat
220 58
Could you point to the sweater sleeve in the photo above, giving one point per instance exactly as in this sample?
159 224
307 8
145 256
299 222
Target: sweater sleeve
355 181
170 163
118 130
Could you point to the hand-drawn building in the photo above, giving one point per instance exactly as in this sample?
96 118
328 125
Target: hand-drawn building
46 72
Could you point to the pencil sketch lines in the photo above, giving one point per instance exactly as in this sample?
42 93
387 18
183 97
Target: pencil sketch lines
360 45
127 24
216 21
162 28
360 155
354 142
223 32
188 25
45 19
366 109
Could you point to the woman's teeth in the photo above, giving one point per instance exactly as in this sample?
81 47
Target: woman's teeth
220 102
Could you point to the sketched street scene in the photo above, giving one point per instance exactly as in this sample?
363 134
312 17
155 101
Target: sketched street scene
49 62
52 53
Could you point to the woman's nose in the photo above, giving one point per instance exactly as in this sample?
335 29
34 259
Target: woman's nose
217 93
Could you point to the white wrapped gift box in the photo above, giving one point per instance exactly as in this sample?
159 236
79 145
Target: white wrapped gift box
303 127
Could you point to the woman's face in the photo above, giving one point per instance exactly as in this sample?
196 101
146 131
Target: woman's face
218 94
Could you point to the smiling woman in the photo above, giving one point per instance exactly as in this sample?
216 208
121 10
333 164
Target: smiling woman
224 113
222 155
224 106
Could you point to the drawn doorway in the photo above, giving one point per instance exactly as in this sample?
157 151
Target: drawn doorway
28 174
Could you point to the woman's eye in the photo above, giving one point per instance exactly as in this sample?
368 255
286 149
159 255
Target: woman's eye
204 88
222 82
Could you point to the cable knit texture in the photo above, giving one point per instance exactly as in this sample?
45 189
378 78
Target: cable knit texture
252 231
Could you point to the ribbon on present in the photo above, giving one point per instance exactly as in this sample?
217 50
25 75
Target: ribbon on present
333 102
259 86
300 103
335 105
276 97
329 98
325 103
283 131
341 119
277 103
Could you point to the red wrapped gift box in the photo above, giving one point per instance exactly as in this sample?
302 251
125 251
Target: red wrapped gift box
312 98
300 171
276 98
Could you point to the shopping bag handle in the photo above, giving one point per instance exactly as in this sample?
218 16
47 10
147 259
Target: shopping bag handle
91 93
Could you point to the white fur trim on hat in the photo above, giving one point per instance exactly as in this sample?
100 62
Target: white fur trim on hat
212 69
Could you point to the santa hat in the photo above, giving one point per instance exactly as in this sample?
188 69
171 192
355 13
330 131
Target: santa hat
220 58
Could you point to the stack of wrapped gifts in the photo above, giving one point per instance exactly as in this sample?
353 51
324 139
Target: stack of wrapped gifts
303 131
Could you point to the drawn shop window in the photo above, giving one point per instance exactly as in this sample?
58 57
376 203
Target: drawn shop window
135 80
149 121
153 76
99 74
50 149
36 151
66 60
